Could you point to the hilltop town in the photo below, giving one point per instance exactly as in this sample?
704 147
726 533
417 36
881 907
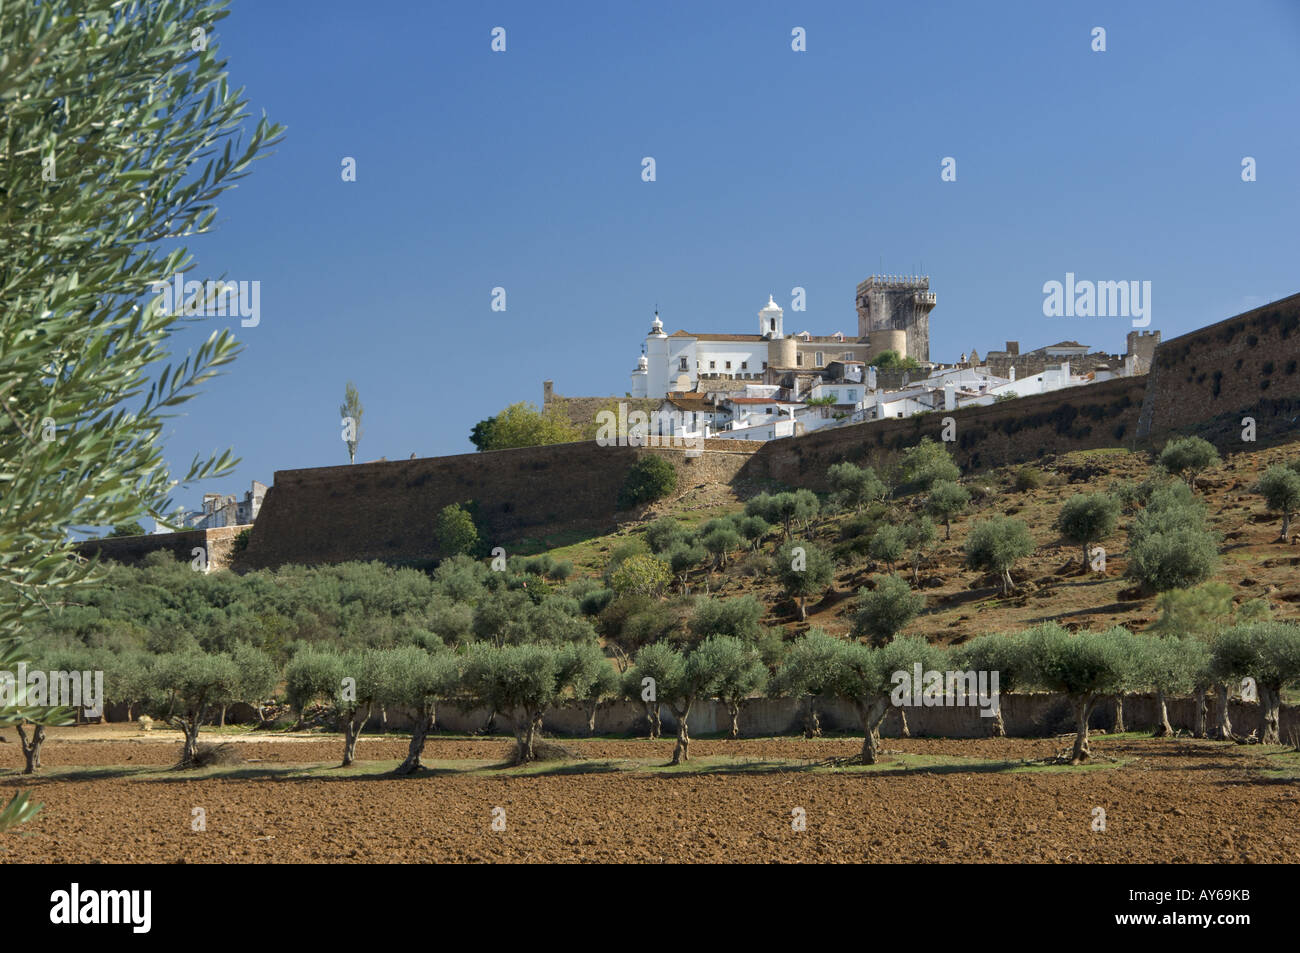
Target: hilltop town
776 383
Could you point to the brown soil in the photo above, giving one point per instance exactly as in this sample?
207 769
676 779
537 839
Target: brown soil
1172 801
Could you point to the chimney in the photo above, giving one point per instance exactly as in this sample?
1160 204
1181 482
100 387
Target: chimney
548 392
1013 348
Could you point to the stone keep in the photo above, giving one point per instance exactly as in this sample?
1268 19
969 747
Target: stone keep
897 303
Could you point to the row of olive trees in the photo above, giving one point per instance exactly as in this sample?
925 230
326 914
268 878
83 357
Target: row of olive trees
1087 667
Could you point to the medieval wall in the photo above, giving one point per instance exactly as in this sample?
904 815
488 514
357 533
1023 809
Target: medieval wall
1206 381
1096 415
217 544
386 510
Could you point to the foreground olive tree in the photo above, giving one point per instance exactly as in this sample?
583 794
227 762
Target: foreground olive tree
1086 667
420 680
806 673
866 678
188 688
523 679
1268 652
117 134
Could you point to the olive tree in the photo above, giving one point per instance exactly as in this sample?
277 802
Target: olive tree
17 709
1188 457
679 681
369 680
1086 667
994 545
258 677
117 136
853 486
1201 614
311 676
420 680
919 536
740 673
1280 487
188 687
1001 653
887 545
1088 518
882 612
1174 666
586 672
946 500
926 464
803 570
526 680
867 677
1269 652
806 673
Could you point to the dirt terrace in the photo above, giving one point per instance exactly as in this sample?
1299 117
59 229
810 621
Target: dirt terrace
1172 801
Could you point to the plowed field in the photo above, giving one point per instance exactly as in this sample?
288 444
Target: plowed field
110 796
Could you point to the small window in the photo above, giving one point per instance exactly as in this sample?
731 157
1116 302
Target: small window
853 396
713 365
820 359
848 355
765 365
798 360
682 366
728 365
744 365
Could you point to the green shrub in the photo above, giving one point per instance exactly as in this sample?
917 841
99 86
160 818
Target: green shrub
650 478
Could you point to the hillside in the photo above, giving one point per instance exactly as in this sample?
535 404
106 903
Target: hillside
960 602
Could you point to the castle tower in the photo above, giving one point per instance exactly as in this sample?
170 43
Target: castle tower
899 303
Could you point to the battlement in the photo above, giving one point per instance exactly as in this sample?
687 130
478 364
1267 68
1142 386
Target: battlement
894 283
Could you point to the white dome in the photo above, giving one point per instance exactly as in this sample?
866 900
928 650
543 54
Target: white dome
656 326
642 363
771 304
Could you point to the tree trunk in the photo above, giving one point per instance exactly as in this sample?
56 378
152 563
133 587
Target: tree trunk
591 707
129 706
902 722
803 608
1223 726
526 738
32 749
1269 704
1118 727
352 731
490 723
1198 713
1082 709
418 734
734 708
871 719
1008 584
223 716
1086 560
1163 728
383 717
999 726
682 752
191 744
812 726
1286 527
947 528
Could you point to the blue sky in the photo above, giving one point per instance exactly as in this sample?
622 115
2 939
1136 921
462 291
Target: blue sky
775 169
